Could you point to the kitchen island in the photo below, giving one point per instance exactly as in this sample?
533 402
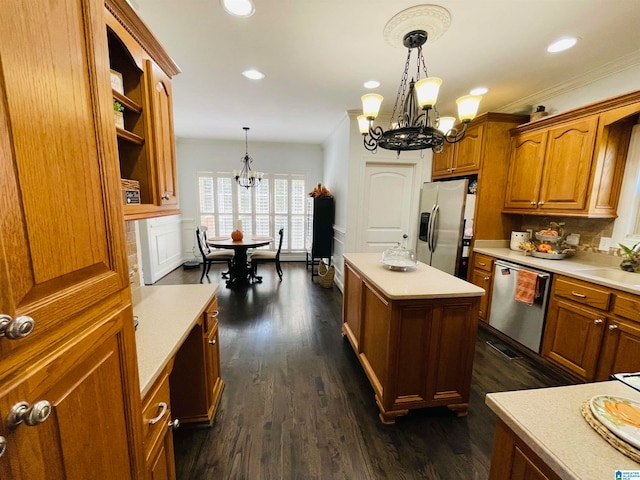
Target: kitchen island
413 332
542 431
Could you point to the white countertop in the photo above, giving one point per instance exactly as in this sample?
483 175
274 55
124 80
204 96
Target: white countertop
550 423
423 282
166 314
604 275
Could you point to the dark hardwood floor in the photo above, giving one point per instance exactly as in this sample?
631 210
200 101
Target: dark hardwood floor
297 404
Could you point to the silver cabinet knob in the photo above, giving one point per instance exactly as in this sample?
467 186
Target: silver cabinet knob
174 424
212 341
613 326
533 203
167 195
32 415
598 321
15 328
486 279
540 203
3 445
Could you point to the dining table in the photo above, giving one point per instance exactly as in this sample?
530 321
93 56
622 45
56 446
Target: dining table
240 272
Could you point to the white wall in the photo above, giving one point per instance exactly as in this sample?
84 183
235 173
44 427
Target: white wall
194 155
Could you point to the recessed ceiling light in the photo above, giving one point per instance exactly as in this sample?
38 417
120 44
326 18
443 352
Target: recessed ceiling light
562 44
372 84
479 91
239 8
253 74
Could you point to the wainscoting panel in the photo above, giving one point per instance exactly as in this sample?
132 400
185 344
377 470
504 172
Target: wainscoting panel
339 236
160 246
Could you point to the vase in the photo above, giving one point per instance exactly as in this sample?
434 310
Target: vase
236 235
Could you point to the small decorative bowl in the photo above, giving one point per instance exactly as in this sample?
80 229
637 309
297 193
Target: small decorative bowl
548 238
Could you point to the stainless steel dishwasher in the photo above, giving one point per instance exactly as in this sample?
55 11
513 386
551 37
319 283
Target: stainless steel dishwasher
517 320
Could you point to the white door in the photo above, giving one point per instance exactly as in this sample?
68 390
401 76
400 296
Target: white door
388 207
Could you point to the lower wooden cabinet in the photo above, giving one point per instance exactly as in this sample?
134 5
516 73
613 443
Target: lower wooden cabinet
587 333
196 384
482 276
512 459
157 427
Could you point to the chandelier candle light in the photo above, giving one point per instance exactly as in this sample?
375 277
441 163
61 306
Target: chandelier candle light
417 124
246 177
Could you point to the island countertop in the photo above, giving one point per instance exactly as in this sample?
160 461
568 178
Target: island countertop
549 421
166 314
422 282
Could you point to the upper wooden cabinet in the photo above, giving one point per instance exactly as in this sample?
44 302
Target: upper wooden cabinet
462 158
484 151
572 164
146 144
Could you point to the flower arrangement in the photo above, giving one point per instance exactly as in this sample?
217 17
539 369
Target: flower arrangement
630 258
320 192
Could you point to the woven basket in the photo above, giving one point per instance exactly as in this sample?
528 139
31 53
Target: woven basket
325 275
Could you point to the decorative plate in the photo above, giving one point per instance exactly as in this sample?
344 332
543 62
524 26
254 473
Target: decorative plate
548 238
398 264
620 415
550 256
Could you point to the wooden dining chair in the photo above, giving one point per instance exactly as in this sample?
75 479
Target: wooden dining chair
268 256
210 256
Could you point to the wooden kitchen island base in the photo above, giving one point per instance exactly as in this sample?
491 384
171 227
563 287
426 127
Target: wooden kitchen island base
413 332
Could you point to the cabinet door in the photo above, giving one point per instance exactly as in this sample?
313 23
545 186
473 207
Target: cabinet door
621 348
164 150
483 280
468 152
573 336
352 306
567 165
442 162
214 379
85 435
525 171
162 465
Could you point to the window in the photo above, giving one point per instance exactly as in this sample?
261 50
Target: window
277 202
627 225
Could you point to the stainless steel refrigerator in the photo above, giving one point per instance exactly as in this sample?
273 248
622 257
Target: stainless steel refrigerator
442 206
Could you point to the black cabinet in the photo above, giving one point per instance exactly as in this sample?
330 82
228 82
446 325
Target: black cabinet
319 235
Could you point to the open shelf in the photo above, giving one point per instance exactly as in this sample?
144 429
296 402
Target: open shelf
129 136
126 102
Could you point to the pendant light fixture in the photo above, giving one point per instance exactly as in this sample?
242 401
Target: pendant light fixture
246 177
415 121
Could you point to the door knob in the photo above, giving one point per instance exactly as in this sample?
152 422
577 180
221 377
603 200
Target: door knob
212 341
15 328
32 415
174 424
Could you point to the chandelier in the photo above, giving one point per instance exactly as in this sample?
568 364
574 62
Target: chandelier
246 177
415 122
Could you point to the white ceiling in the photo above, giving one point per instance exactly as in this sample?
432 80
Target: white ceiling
316 54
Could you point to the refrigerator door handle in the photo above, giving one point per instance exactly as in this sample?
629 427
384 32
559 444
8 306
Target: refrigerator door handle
430 227
435 214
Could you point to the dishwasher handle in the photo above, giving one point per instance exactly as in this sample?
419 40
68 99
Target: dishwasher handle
513 266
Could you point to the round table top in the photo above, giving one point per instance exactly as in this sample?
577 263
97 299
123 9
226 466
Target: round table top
244 243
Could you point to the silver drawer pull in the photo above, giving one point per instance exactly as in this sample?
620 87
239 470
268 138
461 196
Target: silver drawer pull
163 409
215 314
579 295
482 264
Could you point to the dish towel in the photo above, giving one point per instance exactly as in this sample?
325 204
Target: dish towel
526 287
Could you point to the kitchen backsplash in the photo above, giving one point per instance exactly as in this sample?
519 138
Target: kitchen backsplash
590 230
132 254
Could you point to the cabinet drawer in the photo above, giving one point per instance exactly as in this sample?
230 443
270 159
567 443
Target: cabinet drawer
211 315
582 292
483 262
156 409
627 306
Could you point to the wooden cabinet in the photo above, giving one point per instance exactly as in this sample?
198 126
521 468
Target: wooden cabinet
512 458
482 276
572 164
64 260
483 151
158 426
319 235
588 331
146 144
416 353
462 158
196 384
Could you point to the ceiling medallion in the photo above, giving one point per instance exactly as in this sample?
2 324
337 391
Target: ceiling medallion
433 19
